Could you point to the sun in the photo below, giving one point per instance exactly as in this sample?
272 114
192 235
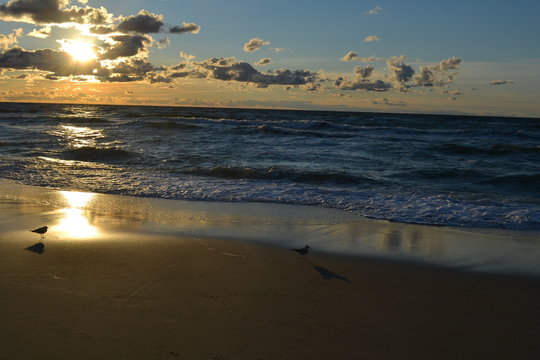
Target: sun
81 51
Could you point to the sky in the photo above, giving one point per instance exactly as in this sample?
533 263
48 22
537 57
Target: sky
417 56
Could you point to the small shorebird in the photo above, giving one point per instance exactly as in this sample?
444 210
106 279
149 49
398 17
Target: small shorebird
42 230
303 251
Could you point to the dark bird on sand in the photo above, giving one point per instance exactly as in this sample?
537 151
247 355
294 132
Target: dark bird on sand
42 230
303 251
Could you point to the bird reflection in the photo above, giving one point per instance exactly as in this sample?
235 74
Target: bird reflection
38 248
74 223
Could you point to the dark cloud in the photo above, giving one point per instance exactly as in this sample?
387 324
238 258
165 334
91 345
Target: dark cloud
185 28
158 78
102 29
144 22
228 69
126 46
400 72
134 67
425 77
57 62
360 83
39 11
52 12
88 15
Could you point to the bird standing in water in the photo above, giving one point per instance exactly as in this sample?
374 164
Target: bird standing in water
303 251
42 230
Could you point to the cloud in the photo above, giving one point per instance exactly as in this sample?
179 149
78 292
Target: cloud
387 102
163 43
102 29
52 12
264 61
280 49
371 38
437 74
228 69
425 77
255 44
450 64
351 55
398 76
400 72
361 81
125 46
185 28
364 72
376 10
8 41
38 11
57 62
144 22
42 33
362 84
187 57
501 82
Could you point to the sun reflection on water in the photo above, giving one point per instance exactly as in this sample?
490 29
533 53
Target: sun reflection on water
78 136
74 223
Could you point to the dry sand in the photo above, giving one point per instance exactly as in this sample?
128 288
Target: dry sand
128 294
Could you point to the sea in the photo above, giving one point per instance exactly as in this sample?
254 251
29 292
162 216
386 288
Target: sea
448 170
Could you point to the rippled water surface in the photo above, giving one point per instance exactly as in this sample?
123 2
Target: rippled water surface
429 169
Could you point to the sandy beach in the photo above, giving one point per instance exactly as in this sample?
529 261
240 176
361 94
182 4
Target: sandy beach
111 283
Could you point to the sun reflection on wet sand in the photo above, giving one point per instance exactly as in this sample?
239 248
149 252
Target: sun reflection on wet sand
73 222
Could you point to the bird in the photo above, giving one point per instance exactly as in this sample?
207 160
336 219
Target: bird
302 251
42 230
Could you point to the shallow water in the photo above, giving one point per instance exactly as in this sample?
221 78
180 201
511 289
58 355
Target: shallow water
427 169
78 217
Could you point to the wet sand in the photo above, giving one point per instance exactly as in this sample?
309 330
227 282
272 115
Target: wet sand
115 287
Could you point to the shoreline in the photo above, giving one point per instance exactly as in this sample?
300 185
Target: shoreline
110 281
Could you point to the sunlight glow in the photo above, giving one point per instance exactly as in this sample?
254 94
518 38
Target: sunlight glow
74 223
81 51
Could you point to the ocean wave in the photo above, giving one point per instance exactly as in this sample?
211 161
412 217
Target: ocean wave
166 125
443 174
276 130
522 182
278 173
101 154
495 149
